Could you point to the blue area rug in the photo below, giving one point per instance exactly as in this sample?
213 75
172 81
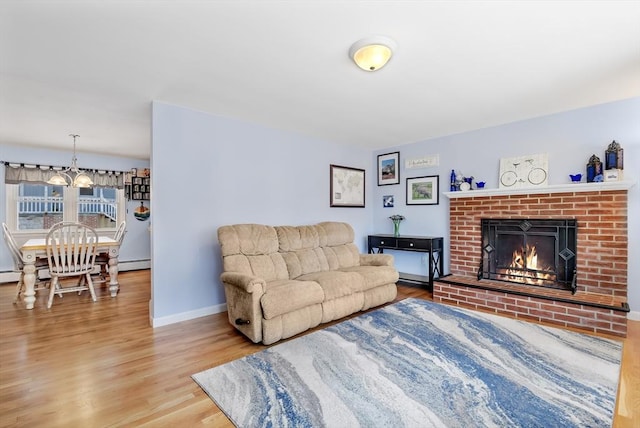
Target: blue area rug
421 364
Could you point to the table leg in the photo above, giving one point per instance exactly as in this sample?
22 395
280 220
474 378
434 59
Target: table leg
431 269
29 280
113 272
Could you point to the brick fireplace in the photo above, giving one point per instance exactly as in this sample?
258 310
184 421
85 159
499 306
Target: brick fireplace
600 209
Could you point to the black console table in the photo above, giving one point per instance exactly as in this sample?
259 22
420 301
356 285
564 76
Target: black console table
423 244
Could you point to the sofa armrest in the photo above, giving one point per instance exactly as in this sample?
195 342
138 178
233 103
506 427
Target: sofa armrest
376 260
248 283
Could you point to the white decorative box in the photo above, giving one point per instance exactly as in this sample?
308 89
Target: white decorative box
613 174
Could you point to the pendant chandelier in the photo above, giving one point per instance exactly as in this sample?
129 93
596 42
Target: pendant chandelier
71 176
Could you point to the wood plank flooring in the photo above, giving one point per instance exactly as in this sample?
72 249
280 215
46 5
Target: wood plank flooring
84 364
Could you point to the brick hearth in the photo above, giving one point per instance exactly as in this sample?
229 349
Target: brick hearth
601 258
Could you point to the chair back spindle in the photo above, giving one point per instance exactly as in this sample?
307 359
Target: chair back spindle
71 251
13 247
71 248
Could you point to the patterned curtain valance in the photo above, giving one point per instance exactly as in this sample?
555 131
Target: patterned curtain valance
16 173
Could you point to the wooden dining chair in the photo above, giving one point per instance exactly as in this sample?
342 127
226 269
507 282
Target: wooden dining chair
18 264
71 252
102 260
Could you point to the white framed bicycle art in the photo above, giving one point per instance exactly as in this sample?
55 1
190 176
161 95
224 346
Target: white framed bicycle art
524 171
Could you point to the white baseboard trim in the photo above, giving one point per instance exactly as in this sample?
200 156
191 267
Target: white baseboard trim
633 316
122 267
134 265
185 316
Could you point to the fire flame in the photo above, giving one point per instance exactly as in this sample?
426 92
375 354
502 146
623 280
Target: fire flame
524 267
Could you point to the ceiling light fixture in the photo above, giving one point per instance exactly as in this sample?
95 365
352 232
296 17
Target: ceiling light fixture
71 176
372 53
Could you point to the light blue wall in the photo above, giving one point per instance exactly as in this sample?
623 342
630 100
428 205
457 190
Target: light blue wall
569 138
210 171
136 245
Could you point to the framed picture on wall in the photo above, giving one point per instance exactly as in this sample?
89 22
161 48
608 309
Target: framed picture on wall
423 190
346 187
524 171
389 169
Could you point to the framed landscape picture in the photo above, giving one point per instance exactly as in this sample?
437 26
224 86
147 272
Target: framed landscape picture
389 169
423 190
346 188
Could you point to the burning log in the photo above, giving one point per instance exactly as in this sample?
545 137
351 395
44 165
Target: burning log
524 267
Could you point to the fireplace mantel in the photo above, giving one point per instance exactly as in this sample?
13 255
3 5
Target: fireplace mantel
554 188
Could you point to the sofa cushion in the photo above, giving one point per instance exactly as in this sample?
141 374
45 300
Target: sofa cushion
375 276
338 308
247 239
342 256
269 266
302 262
333 233
291 323
285 296
336 284
292 238
300 249
252 249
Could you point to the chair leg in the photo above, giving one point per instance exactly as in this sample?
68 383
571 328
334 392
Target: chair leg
90 284
19 288
100 276
52 290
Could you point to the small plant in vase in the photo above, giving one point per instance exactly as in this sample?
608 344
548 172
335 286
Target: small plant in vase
396 219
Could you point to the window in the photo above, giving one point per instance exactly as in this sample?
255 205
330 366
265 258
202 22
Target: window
98 207
36 207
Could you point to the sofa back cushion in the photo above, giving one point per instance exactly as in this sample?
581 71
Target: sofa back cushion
322 247
300 248
252 249
293 238
336 241
333 233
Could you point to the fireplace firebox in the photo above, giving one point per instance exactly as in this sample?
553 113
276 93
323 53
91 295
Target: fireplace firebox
539 252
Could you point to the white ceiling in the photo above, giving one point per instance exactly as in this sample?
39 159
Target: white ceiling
93 67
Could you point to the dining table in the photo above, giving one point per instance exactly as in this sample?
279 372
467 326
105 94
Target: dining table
37 248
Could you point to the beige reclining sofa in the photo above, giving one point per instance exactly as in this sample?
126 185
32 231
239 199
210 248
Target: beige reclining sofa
280 281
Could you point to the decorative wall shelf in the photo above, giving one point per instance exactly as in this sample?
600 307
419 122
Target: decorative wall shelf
554 188
138 185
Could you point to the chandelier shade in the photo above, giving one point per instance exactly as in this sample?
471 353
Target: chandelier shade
82 180
58 180
71 176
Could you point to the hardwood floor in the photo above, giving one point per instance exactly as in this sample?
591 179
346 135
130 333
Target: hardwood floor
84 364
